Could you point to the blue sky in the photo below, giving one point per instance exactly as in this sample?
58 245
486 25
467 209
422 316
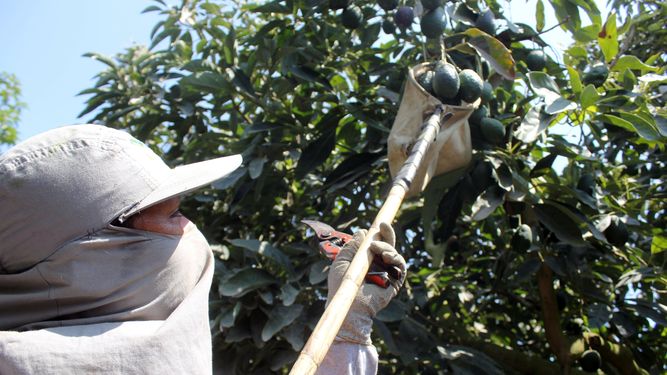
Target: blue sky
43 42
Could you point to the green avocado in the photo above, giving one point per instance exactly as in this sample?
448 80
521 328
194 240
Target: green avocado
522 239
477 115
597 75
536 60
471 85
425 80
388 26
432 4
433 23
487 92
493 130
446 80
590 360
616 233
351 17
486 22
388 4
586 183
338 4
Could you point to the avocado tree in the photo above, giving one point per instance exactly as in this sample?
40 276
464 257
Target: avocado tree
545 255
10 107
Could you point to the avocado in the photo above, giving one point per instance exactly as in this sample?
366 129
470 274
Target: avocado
477 115
597 75
403 17
351 17
493 130
425 80
432 4
616 233
487 92
471 85
338 4
486 22
590 360
388 4
522 239
446 80
433 23
536 60
388 26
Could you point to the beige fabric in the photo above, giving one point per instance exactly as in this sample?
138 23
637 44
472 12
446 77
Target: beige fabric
74 180
120 301
452 148
344 358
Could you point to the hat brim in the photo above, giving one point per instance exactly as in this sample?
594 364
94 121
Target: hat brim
187 178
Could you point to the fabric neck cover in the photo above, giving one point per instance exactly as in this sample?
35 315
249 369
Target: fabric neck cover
118 301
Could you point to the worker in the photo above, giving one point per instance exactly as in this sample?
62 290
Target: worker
101 273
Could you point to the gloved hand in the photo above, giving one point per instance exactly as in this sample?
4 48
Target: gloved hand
371 298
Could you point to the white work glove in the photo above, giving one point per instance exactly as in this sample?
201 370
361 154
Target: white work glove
371 298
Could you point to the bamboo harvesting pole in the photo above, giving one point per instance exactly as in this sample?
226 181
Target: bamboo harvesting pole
324 333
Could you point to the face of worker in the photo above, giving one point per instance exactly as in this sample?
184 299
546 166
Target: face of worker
163 217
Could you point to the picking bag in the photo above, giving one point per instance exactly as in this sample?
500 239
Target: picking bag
452 147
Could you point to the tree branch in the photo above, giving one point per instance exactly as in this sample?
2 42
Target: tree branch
551 317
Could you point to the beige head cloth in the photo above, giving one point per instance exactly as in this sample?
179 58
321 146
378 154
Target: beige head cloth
74 180
452 148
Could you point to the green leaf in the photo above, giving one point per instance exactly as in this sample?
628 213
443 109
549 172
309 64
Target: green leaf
528 268
608 38
533 124
101 58
272 7
598 315
543 85
567 13
644 128
205 81
493 51
591 9
539 15
241 81
151 8
559 223
230 179
588 97
316 153
228 315
575 80
279 318
295 335
486 203
244 281
266 250
632 62
255 167
559 105
586 34
628 79
288 294
658 244
318 271
542 165
229 47
310 75
394 312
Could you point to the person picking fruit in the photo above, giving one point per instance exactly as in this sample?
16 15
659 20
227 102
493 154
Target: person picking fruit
101 273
